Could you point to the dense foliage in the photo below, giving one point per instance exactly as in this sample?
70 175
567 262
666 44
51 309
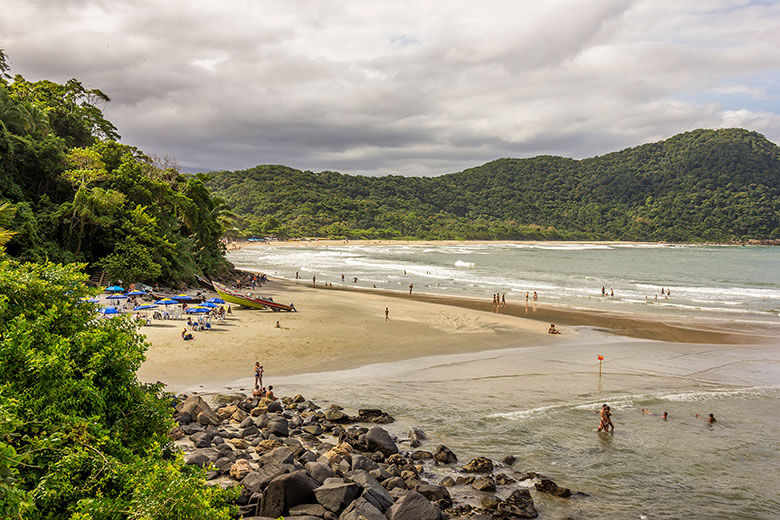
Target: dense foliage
80 437
704 185
81 196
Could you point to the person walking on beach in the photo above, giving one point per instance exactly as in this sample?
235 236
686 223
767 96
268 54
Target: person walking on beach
536 296
313 281
411 286
526 296
258 374
387 313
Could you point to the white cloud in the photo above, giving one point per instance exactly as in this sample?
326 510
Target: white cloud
407 87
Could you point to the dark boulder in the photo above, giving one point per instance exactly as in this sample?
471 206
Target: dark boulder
444 455
280 455
373 491
361 462
362 509
279 427
520 504
479 465
267 473
319 471
287 491
201 439
434 493
485 483
336 496
378 439
414 506
197 459
548 486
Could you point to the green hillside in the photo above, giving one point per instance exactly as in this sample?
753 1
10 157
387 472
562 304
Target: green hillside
704 185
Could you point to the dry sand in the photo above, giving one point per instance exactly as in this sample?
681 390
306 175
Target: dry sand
339 328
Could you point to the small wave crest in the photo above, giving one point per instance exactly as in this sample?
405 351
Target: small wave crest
461 263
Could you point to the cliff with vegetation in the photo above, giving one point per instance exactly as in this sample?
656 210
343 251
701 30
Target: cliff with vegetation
703 185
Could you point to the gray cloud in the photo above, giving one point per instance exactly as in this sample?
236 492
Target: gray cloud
413 88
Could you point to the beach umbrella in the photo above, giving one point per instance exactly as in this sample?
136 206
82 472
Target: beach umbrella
117 297
216 300
183 298
114 288
144 307
209 305
108 310
91 300
197 310
166 301
136 293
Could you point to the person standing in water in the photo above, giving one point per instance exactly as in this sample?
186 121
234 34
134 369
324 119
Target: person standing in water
411 286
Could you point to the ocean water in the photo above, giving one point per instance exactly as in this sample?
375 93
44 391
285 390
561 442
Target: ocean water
539 403
730 283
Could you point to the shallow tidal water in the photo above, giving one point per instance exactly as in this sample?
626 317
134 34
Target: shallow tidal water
539 403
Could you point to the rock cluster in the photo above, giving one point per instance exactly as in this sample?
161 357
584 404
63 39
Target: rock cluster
291 458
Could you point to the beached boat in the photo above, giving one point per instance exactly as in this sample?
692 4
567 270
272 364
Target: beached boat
255 302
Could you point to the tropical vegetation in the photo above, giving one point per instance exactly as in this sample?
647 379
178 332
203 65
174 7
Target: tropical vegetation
703 185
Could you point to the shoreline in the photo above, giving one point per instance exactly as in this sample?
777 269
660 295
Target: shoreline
238 244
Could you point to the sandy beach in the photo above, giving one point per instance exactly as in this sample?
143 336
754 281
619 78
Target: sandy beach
339 328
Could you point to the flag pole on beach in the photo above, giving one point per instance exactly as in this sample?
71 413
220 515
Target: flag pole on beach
601 358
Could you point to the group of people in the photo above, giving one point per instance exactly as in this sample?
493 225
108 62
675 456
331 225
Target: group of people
260 390
604 291
499 302
253 282
605 418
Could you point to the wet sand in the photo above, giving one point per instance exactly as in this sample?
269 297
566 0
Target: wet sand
340 328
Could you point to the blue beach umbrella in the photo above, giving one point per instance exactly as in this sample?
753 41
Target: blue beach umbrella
209 305
144 307
166 301
91 300
216 300
136 293
183 298
197 310
117 297
108 310
114 288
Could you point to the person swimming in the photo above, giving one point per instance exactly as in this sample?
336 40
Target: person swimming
709 420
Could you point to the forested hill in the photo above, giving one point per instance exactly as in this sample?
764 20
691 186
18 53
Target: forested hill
703 185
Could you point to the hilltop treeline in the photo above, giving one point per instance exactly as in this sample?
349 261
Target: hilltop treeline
703 185
80 196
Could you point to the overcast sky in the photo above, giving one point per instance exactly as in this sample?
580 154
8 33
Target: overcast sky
405 87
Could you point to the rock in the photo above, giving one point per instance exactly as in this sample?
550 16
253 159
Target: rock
269 472
397 460
363 462
226 411
434 493
239 444
479 465
378 439
258 411
312 429
253 482
444 455
447 482
319 471
421 455
279 427
416 436
201 439
228 398
362 509
239 416
274 407
374 415
548 486
249 431
336 496
240 469
197 408
266 445
286 491
223 464
485 483
373 490
489 502
509 460
197 459
192 428
280 455
464 480
314 510
246 423
413 506
520 504
502 479
183 418
338 452
336 416
393 483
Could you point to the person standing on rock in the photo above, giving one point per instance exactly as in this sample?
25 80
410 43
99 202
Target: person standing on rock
258 374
